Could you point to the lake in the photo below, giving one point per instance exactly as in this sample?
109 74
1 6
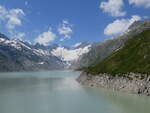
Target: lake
58 92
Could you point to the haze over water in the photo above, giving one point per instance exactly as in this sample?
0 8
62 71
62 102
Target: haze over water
58 92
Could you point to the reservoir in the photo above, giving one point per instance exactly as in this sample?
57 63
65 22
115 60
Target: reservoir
59 92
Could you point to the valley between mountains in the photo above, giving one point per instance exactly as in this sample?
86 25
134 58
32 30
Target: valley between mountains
121 63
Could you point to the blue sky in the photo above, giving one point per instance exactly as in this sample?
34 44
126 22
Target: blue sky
68 22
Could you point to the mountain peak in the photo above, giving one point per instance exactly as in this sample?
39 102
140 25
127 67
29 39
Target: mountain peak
3 36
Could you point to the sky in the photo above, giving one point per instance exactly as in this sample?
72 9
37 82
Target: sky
69 22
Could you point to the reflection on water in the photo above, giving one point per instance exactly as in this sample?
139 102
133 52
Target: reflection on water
58 92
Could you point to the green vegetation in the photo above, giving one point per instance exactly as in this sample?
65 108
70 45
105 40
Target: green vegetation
133 57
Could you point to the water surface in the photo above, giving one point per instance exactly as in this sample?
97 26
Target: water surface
58 92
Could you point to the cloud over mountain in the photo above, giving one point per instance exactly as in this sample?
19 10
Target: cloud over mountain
11 17
65 29
120 25
45 37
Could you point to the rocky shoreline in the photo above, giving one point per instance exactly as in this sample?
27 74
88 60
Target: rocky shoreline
129 83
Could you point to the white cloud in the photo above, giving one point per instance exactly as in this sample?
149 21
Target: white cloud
70 55
120 25
145 3
3 12
77 44
113 7
65 29
45 37
12 17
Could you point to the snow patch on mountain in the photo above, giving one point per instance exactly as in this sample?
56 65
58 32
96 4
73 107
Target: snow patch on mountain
41 52
70 55
77 44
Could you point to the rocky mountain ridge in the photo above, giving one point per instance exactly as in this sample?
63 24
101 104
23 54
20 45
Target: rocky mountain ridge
17 55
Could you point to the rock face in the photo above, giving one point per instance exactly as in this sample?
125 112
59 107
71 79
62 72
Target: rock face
129 83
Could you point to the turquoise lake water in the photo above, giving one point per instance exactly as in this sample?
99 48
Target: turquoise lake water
58 92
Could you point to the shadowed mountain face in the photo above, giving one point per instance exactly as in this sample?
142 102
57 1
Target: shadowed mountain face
102 50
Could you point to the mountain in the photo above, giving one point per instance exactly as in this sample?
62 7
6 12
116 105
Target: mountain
3 36
43 47
100 51
134 57
71 56
82 45
17 55
127 68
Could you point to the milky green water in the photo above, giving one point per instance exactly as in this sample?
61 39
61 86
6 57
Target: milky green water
58 92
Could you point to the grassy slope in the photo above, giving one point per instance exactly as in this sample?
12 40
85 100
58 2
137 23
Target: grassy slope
133 57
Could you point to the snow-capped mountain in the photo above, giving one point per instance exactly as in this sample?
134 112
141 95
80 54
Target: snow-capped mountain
17 55
81 45
70 54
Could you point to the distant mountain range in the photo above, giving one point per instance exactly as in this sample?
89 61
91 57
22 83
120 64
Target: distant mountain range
17 55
